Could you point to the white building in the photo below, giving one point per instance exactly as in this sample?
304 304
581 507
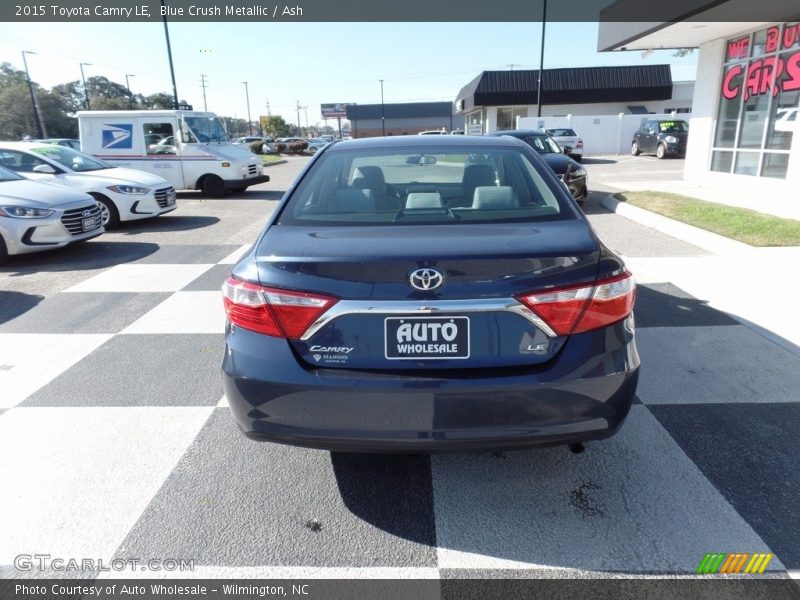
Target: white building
494 100
744 127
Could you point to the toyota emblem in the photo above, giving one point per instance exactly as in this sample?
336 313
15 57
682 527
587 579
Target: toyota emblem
425 279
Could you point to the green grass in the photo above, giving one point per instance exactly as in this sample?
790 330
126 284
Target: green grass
744 225
270 158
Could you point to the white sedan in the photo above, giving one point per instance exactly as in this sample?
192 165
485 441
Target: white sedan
38 216
123 194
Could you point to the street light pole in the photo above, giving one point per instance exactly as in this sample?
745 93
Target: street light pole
247 95
85 91
40 130
541 63
128 84
298 118
383 116
169 55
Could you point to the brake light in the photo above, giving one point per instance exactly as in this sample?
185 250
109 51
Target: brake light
579 144
583 308
279 313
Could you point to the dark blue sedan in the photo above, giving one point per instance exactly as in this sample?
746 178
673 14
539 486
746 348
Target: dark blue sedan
421 294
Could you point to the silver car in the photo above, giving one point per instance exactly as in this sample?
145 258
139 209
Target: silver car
569 140
38 216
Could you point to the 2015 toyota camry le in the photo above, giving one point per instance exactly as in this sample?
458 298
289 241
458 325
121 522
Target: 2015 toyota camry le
423 294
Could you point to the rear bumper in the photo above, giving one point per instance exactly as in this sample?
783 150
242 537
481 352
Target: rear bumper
584 395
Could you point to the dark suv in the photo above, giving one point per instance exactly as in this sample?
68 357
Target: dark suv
664 137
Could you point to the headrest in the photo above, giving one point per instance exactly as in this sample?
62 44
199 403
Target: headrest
424 200
494 197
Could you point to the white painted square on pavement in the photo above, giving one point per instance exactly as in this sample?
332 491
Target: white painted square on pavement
76 480
183 312
28 361
634 503
234 256
142 278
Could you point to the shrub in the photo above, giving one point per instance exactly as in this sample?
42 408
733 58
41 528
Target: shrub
257 147
298 147
280 147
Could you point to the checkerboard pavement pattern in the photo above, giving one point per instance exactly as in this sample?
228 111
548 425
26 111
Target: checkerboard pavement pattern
115 441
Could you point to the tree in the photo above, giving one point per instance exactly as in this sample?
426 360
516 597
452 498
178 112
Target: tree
276 126
681 52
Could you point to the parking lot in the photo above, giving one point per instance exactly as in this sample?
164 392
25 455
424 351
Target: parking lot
116 435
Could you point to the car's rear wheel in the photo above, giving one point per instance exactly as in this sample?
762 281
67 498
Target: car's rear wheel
635 148
108 211
213 186
661 151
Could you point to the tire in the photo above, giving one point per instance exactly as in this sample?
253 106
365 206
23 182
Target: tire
238 190
108 212
635 148
3 251
661 151
213 186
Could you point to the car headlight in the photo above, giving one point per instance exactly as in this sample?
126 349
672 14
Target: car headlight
579 173
128 189
671 139
25 212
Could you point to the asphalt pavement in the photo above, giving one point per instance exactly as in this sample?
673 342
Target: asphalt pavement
116 441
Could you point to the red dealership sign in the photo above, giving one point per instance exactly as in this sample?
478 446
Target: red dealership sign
763 75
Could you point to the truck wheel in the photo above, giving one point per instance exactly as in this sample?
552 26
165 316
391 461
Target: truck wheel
661 151
108 211
635 148
213 186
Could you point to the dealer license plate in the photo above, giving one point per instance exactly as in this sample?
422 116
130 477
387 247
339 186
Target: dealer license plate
91 223
429 338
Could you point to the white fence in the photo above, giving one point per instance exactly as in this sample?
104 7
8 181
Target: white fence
603 134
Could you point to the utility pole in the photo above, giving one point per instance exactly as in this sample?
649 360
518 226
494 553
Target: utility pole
298 118
269 114
85 91
541 63
128 85
169 55
203 85
512 65
249 121
305 111
40 130
383 115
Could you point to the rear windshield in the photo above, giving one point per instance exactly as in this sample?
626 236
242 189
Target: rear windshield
562 132
425 185
673 126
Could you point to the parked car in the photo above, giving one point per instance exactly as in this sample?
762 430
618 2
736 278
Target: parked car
165 145
423 303
123 194
315 144
268 143
569 140
568 170
664 137
441 131
38 216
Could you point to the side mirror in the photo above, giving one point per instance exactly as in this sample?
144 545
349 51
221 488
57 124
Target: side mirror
44 169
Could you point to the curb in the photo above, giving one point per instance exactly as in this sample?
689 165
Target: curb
711 242
272 164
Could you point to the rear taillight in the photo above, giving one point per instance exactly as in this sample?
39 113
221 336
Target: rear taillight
270 311
583 308
579 144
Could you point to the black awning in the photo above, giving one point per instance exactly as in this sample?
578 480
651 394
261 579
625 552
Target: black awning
567 86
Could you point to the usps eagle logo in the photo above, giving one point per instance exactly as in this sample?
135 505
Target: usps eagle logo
118 136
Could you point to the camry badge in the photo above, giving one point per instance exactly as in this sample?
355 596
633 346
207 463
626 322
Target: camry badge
425 279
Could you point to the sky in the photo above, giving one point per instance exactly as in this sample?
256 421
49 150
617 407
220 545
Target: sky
309 63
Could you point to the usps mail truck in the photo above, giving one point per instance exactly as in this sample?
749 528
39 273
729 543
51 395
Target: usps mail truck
190 149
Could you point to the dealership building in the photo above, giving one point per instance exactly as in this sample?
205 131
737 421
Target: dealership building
745 126
494 100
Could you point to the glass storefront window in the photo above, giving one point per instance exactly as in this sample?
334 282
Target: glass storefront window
759 107
507 117
721 161
775 165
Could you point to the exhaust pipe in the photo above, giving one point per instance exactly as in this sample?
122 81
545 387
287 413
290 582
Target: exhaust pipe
577 448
